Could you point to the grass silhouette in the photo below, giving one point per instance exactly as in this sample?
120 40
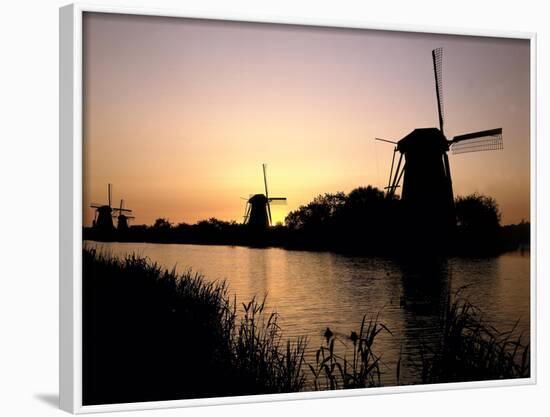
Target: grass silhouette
150 334
361 369
470 349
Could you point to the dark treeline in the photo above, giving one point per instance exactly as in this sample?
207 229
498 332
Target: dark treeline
363 221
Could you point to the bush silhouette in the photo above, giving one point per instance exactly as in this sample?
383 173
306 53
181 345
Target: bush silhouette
478 224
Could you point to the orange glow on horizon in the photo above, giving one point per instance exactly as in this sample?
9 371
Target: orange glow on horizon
179 114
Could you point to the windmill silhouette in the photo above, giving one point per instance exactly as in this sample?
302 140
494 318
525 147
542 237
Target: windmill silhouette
257 213
427 192
103 219
122 219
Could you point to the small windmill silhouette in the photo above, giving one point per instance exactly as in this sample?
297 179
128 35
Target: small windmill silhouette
122 218
258 207
103 219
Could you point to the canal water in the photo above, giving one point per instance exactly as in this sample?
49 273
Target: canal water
314 290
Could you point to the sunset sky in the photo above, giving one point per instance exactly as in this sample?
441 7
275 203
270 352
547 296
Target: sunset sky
180 114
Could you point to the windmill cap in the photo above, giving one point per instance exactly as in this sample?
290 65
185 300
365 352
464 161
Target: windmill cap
422 140
257 199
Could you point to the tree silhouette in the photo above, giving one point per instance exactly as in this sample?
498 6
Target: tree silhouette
317 214
363 221
478 223
477 212
162 224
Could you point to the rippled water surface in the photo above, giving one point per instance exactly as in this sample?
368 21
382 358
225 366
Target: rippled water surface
315 290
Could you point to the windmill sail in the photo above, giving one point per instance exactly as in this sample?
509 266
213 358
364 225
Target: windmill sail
437 56
278 201
266 194
485 140
121 209
246 215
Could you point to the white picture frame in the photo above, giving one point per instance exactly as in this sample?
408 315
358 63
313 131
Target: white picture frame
70 154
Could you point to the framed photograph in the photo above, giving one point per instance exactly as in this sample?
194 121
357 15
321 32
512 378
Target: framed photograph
272 209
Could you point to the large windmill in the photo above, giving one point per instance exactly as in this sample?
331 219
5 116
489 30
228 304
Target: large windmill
427 192
258 207
103 219
122 218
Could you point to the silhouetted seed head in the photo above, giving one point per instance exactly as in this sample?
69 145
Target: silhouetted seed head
354 337
328 334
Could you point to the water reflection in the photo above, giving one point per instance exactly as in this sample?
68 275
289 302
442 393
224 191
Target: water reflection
426 288
313 291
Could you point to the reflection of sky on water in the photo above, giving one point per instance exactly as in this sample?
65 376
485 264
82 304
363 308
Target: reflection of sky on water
315 290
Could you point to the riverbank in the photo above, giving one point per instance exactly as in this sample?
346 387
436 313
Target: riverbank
152 334
508 239
363 222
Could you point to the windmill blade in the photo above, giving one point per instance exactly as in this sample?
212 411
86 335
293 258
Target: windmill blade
396 178
485 140
391 169
246 212
437 57
122 210
474 135
96 205
386 140
269 212
278 201
264 166
119 211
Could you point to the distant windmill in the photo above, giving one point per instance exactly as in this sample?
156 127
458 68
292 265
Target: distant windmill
427 192
103 220
122 219
258 207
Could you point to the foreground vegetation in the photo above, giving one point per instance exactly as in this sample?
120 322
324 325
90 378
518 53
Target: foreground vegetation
472 350
151 334
469 349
